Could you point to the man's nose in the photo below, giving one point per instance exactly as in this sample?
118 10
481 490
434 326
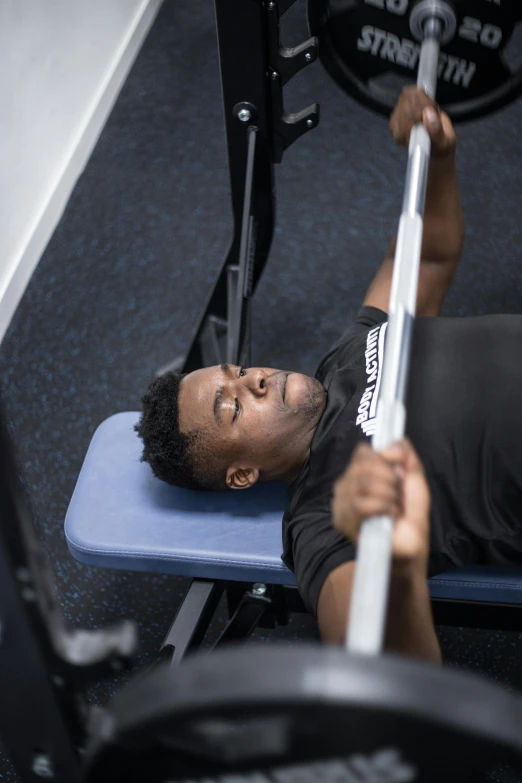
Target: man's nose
255 381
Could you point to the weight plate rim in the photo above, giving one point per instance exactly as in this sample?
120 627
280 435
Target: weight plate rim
171 691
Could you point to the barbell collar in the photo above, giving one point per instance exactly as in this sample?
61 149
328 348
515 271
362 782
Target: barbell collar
429 10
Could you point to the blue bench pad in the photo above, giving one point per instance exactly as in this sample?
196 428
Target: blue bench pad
121 517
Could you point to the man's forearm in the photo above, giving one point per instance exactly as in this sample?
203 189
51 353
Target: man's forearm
443 236
443 219
410 629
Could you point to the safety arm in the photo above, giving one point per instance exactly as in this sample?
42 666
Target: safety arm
409 628
443 236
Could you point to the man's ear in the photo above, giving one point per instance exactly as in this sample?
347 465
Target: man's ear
242 478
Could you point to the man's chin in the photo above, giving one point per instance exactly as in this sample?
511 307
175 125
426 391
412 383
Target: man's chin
305 396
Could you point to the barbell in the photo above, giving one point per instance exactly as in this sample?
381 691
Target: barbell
310 715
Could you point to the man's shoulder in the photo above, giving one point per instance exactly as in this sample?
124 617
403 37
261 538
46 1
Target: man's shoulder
369 316
366 319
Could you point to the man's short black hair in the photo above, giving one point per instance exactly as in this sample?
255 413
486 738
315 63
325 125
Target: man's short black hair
181 459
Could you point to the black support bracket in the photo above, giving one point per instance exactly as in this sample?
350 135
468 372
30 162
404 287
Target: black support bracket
285 63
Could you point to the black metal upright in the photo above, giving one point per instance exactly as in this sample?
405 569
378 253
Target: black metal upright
254 69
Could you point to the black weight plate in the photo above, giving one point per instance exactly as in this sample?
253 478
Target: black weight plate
368 49
259 712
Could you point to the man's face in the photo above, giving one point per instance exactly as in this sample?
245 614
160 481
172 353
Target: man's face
259 421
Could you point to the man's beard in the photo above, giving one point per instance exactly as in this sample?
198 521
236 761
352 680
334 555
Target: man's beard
312 404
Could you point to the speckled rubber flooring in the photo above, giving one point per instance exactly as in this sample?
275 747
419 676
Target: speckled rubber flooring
126 273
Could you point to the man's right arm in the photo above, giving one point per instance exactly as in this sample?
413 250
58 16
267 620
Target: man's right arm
409 629
392 483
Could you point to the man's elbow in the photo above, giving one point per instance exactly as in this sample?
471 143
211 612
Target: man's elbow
443 246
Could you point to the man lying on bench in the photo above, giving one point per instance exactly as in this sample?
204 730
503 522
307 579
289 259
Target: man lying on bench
229 427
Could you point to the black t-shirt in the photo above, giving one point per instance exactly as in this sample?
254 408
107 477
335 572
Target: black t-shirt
464 417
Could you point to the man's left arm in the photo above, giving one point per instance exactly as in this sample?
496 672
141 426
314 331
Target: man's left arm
443 235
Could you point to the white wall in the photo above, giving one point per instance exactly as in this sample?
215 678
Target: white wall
62 64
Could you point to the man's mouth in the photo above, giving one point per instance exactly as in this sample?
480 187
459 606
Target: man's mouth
283 386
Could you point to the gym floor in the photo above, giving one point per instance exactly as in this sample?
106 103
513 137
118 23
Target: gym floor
125 276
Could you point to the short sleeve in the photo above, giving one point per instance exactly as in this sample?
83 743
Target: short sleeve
313 551
366 318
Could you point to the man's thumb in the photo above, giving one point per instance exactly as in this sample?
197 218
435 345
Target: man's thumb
433 124
413 463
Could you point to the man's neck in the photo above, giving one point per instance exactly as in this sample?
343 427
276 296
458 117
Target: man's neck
296 468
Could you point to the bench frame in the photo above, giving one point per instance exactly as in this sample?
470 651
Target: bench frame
255 605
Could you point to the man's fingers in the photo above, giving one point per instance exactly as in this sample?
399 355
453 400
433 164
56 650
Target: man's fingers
408 112
348 522
376 507
365 481
364 451
415 106
361 481
394 453
385 496
366 458
383 493
361 499
412 462
404 456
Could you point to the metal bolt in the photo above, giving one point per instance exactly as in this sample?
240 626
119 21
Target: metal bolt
43 766
308 57
259 589
244 115
271 6
310 122
274 75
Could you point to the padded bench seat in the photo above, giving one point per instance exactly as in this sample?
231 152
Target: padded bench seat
121 517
